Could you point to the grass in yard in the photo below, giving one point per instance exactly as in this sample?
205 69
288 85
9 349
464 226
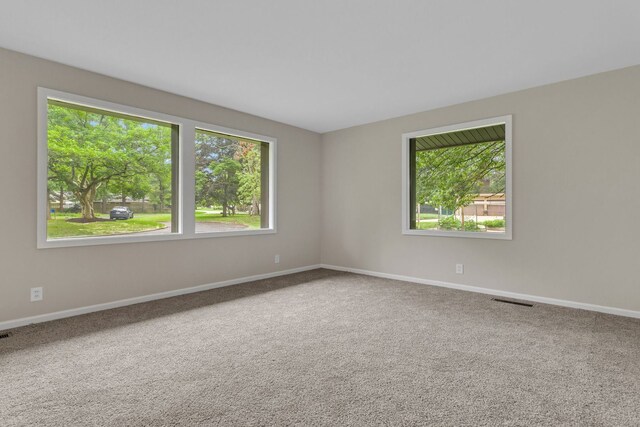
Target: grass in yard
428 216
426 225
251 221
58 227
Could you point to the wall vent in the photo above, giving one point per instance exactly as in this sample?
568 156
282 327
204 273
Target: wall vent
524 304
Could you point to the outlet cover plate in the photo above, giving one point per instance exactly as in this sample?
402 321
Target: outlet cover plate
36 294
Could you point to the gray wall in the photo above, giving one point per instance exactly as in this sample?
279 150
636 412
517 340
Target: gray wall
573 142
81 276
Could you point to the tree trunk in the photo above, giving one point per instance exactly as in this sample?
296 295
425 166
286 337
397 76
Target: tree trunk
161 194
48 204
255 208
61 206
86 201
462 218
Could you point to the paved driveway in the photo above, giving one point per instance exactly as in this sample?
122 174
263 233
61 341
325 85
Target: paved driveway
201 227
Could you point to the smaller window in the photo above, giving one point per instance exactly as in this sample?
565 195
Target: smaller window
458 180
232 182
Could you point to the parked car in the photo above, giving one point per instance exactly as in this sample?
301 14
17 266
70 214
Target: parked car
121 212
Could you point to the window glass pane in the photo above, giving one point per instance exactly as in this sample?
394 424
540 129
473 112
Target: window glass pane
459 181
108 173
232 176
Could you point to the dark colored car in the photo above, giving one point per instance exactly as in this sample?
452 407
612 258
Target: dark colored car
121 212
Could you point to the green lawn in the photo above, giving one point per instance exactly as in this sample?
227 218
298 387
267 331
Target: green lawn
428 216
58 227
423 225
426 225
251 221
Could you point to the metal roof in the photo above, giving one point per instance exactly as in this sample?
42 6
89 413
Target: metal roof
491 133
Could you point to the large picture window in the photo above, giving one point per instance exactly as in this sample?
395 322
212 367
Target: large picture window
458 180
110 173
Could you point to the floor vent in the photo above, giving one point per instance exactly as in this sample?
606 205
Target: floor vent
524 304
5 335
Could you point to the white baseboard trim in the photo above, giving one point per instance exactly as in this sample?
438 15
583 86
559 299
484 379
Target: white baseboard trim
495 292
10 324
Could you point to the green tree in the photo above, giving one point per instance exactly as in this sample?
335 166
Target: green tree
90 150
217 171
160 195
228 172
250 176
135 187
451 177
225 183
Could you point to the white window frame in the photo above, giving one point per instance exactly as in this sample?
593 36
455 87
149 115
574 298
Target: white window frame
406 185
186 204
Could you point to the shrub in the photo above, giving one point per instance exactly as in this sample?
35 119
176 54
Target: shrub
494 223
471 225
452 223
449 223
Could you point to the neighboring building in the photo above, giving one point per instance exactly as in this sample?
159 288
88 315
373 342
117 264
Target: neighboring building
487 205
484 205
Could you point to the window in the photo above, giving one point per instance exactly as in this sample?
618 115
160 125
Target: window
109 173
457 180
231 182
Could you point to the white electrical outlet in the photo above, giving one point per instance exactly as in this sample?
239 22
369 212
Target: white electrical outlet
36 294
459 268
277 259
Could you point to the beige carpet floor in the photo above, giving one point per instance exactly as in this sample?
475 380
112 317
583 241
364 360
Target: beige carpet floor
328 349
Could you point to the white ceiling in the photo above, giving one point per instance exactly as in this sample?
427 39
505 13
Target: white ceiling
328 64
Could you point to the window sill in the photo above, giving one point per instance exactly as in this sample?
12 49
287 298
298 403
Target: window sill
116 240
465 234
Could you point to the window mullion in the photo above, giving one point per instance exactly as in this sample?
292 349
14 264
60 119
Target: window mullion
187 178
265 185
